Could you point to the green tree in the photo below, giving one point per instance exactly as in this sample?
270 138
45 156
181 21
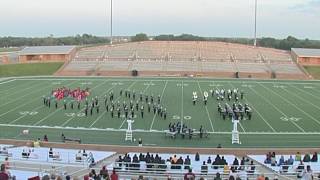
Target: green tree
139 37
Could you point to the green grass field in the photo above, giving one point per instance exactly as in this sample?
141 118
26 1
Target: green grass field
314 71
31 69
285 113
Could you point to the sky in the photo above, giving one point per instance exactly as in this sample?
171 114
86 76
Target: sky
211 18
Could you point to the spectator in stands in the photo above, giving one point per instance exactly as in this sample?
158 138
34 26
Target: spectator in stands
3 174
306 158
50 153
268 158
307 174
6 163
217 162
93 174
187 163
281 161
104 172
180 163
273 161
140 177
204 168
197 157
290 160
36 143
235 163
231 177
300 169
209 161
190 175
217 177
223 161
84 153
298 157
285 167
45 138
79 156
252 168
314 157
114 175
45 177
174 159
226 169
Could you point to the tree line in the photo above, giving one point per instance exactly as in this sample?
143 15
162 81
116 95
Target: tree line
84 39
87 39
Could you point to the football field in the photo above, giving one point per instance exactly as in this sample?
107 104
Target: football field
284 113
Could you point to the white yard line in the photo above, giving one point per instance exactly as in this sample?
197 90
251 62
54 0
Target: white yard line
154 116
303 98
177 79
257 112
182 116
124 119
66 122
291 104
39 107
209 118
317 97
266 100
21 97
106 111
153 131
7 81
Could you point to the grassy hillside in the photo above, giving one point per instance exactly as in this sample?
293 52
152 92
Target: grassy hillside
314 71
32 69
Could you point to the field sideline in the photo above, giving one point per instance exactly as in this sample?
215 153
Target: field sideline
285 113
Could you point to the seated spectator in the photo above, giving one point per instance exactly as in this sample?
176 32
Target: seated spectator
6 163
300 169
217 162
174 159
204 168
307 174
231 177
141 157
252 168
285 167
306 158
187 163
235 163
298 157
114 175
197 157
261 177
84 153
104 172
226 169
3 174
223 161
290 160
314 157
209 160
273 161
4 151
79 156
242 164
217 177
190 175
268 158
179 163
281 161
93 174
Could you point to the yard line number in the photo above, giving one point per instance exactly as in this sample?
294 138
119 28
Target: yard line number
293 119
176 117
30 113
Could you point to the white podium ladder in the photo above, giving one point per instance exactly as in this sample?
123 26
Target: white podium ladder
235 137
128 136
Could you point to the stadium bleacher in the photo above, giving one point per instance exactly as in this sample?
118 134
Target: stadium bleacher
190 57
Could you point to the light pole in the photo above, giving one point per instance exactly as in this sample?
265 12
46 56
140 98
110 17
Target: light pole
111 22
255 24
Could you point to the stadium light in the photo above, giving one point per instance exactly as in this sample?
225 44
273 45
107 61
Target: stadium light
111 21
255 24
